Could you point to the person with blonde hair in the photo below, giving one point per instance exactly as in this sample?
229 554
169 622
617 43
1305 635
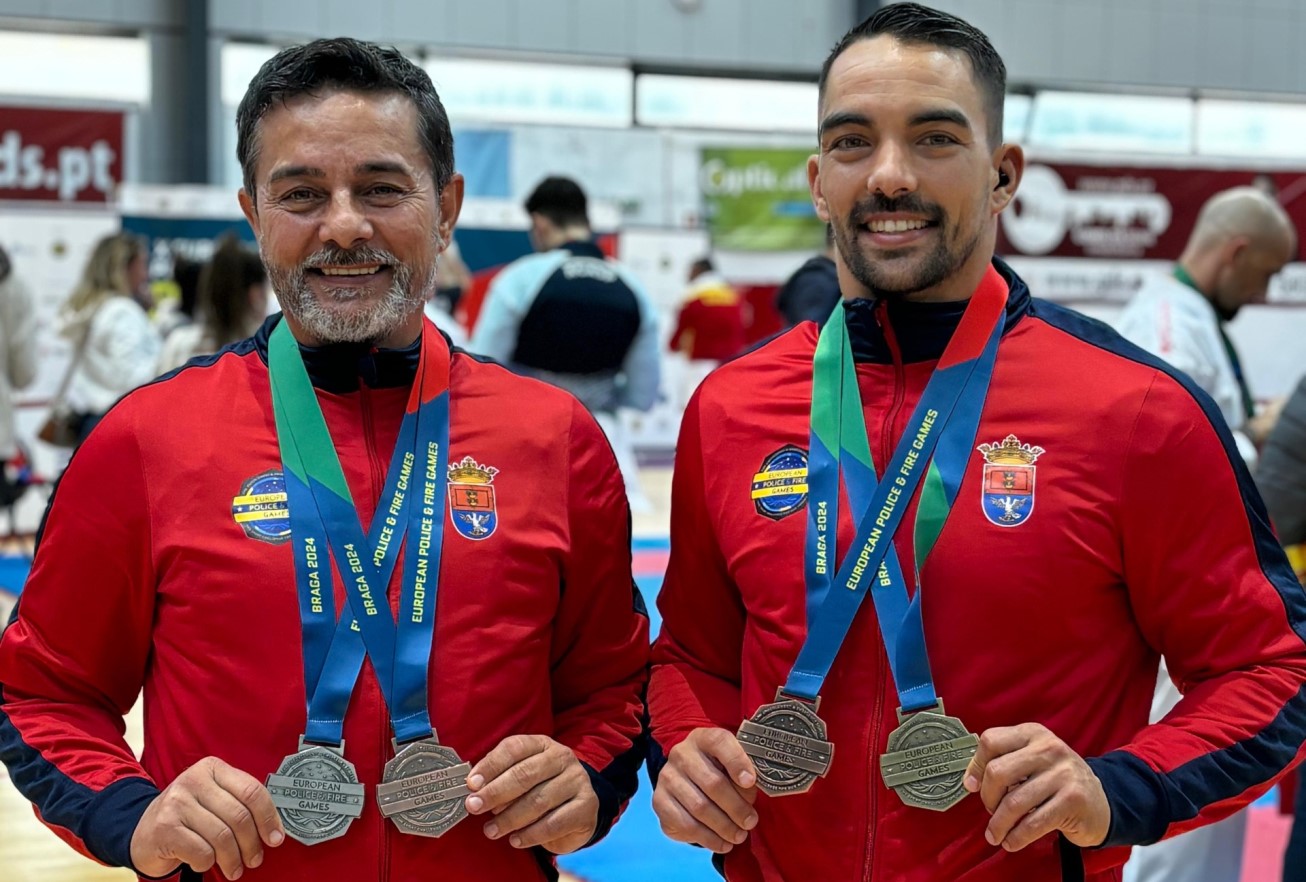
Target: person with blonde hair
114 345
231 304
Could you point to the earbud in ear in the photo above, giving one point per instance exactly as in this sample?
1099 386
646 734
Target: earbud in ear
1003 180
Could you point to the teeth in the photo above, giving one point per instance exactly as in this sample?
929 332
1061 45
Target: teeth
896 226
349 271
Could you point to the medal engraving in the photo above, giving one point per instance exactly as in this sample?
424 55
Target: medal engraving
927 758
786 740
424 788
317 794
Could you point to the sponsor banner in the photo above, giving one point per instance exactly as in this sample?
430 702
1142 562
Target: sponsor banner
1098 280
757 199
57 155
1132 213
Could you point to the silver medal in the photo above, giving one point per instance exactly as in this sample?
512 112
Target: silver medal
424 788
927 759
316 792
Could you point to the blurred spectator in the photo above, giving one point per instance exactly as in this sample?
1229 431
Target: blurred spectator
232 302
1281 477
178 311
451 280
17 351
1242 238
115 346
710 327
711 323
812 291
575 319
1281 473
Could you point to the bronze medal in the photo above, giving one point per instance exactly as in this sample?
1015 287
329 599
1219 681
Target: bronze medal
787 742
927 759
316 792
424 788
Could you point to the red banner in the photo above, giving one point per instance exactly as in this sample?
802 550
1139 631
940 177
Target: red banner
1124 212
60 155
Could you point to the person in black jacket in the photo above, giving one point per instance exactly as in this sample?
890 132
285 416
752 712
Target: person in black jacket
813 290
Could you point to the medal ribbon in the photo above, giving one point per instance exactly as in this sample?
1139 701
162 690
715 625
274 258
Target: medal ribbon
327 517
939 435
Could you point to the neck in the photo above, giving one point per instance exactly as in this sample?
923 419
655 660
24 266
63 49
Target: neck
1191 272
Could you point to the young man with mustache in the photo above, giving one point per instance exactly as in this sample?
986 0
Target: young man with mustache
1037 509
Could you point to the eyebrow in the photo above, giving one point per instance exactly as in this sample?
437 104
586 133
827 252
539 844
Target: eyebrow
940 115
843 118
366 168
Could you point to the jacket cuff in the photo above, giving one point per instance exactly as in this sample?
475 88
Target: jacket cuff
609 803
1136 794
111 819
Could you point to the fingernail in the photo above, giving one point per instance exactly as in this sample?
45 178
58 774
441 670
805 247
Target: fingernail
276 838
990 838
750 822
740 836
747 779
971 783
492 830
514 841
476 782
256 860
475 804
236 875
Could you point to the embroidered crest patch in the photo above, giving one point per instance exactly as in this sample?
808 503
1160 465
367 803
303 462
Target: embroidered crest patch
471 499
1008 486
261 509
780 485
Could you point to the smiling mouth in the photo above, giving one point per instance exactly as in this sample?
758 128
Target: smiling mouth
349 270
893 225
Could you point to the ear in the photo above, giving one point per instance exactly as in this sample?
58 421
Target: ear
451 204
1008 168
1235 249
814 184
248 208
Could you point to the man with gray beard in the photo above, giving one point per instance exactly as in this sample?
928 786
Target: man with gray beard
334 555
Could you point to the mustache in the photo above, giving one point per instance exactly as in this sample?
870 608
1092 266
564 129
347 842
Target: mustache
335 256
912 203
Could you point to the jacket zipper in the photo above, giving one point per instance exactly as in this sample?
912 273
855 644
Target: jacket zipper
377 469
886 453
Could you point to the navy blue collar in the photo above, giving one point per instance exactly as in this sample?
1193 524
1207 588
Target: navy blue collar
583 248
922 330
345 367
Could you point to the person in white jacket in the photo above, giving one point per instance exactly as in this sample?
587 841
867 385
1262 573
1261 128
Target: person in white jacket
17 348
1242 238
104 321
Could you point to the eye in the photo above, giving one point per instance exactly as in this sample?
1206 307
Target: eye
849 142
938 139
299 194
384 190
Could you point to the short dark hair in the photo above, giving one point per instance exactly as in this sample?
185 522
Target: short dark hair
343 64
914 24
702 265
559 199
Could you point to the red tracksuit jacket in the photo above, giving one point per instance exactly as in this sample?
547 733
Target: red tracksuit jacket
144 578
1142 535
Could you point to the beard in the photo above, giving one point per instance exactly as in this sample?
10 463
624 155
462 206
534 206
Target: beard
902 273
320 318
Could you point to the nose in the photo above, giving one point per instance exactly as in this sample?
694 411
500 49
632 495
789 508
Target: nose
345 223
891 173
